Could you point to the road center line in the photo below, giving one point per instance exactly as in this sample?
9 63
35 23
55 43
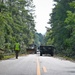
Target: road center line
38 67
44 69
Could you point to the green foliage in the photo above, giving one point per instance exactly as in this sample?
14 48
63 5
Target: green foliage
16 23
39 39
70 18
1 56
63 27
48 38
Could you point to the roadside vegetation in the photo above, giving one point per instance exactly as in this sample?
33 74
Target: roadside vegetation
62 31
16 24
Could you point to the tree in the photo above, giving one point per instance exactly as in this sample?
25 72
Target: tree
60 32
17 22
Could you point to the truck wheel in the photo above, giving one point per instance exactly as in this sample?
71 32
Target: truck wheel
40 54
52 54
35 52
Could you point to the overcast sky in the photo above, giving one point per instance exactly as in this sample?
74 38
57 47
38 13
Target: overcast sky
42 10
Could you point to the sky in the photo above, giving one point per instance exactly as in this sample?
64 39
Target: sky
42 10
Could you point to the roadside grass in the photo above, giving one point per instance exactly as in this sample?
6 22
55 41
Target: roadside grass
11 56
56 56
8 57
65 57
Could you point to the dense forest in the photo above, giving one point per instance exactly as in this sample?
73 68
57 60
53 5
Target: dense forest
39 39
16 24
62 31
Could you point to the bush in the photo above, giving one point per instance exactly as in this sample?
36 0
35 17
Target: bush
1 56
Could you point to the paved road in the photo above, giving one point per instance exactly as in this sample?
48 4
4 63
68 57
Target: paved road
36 65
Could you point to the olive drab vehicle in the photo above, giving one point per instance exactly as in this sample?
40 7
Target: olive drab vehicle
31 49
47 50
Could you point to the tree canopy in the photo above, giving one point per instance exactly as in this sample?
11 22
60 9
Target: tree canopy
16 23
62 32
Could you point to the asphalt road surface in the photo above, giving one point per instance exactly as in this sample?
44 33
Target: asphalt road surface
34 64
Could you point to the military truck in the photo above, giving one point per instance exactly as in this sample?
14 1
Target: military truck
47 50
31 49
